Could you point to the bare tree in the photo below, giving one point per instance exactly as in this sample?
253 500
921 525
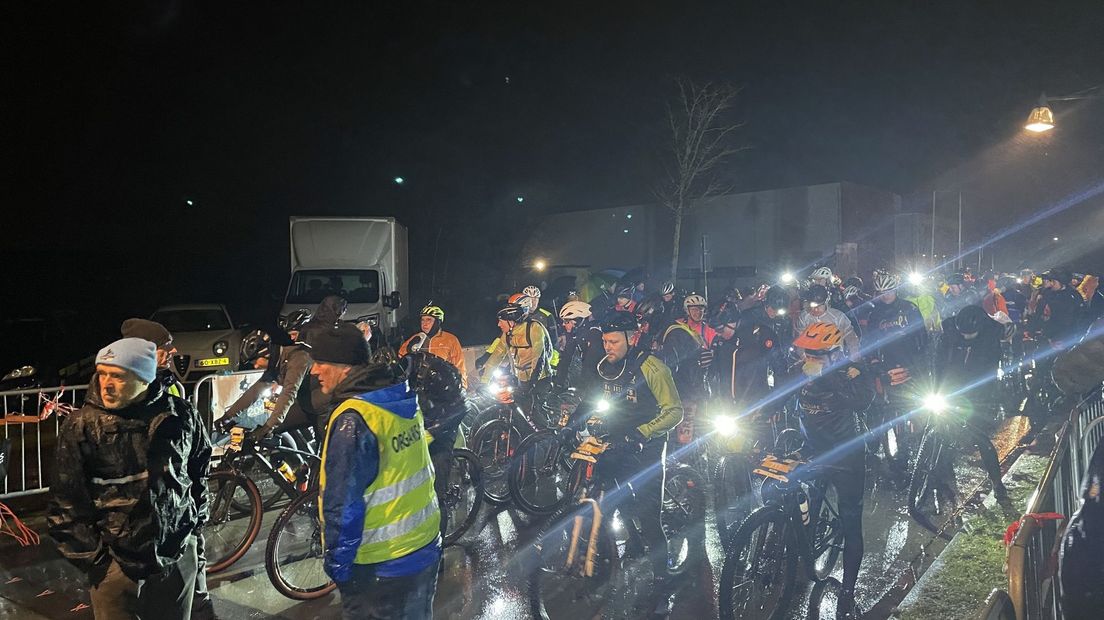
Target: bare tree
702 138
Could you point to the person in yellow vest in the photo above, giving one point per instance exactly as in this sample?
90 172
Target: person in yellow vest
380 519
434 339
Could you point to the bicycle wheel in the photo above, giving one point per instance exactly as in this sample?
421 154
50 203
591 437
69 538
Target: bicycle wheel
540 473
683 518
931 492
293 555
495 443
827 532
234 521
576 569
760 567
733 495
271 493
463 494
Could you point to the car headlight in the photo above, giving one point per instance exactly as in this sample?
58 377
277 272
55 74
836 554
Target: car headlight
725 425
936 403
220 348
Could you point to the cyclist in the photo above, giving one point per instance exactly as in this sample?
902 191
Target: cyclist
644 406
817 310
524 344
958 295
897 342
1062 311
664 309
437 341
966 365
582 344
1014 299
624 300
686 347
531 296
824 277
835 392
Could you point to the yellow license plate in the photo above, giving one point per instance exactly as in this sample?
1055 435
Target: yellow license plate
213 361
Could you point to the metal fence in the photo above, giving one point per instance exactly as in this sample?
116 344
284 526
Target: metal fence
31 419
1032 562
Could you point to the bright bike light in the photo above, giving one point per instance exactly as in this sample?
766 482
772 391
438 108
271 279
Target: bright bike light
916 278
936 403
781 312
725 425
787 278
602 406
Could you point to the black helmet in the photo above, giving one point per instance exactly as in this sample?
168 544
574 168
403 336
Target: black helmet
726 314
620 322
626 292
1058 275
297 319
434 378
645 310
776 297
969 320
512 312
817 294
854 281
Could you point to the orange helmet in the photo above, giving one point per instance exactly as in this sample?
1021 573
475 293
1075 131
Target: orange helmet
515 298
819 337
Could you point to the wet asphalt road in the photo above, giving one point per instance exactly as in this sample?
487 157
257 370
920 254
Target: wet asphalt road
482 577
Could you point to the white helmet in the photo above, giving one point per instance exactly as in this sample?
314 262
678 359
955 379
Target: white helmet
821 273
575 310
693 299
531 291
885 281
851 291
668 288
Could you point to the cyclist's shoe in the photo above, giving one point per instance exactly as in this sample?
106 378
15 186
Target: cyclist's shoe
845 606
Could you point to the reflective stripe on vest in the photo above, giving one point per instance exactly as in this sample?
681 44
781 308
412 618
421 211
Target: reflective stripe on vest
683 326
400 506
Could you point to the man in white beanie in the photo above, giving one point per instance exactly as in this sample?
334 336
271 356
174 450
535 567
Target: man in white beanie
129 488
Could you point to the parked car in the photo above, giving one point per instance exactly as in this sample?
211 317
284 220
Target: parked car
206 339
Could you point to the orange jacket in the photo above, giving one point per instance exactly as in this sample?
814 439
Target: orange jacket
445 346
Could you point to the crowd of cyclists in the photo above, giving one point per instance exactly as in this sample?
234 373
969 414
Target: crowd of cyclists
654 375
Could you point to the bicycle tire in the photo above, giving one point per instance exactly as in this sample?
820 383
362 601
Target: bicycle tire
226 537
307 542
557 532
926 478
496 488
463 460
523 460
683 518
831 538
775 526
733 495
271 493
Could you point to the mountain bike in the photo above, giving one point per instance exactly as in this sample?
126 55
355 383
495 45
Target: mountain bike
237 507
798 521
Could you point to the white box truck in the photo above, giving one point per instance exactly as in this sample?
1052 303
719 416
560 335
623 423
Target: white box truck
363 259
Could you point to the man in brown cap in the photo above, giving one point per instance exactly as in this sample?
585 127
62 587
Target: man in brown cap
156 333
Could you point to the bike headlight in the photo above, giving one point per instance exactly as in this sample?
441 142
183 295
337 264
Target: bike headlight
725 425
787 278
936 403
497 374
220 348
602 406
916 278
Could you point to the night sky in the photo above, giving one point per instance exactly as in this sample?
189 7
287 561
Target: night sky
120 113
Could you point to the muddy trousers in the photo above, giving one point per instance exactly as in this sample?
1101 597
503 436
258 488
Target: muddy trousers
167 596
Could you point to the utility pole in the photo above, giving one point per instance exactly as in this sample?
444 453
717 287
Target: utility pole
958 259
933 263
705 266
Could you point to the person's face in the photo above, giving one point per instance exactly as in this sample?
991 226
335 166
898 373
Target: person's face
816 309
569 325
165 353
504 325
118 387
1052 284
955 289
616 346
821 281
695 313
727 331
329 375
427 324
889 297
668 297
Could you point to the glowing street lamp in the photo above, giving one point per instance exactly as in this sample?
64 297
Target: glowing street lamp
540 265
1041 118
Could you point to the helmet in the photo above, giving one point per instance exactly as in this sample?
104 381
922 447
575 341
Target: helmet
1057 275
668 288
296 320
434 378
727 315
645 310
956 278
693 299
512 312
626 292
854 281
516 298
521 299
620 322
821 273
531 291
969 320
851 291
817 294
886 281
776 297
575 310
819 337
433 311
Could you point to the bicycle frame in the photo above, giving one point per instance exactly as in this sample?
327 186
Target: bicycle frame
230 462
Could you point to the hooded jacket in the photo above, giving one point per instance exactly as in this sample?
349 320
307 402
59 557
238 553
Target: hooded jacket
442 344
130 484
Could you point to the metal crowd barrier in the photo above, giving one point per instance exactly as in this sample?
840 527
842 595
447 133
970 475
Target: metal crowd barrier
213 394
1032 562
31 453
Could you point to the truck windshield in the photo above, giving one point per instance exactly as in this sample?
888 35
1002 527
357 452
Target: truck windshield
192 320
357 286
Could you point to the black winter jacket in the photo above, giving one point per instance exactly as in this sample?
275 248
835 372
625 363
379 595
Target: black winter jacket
129 484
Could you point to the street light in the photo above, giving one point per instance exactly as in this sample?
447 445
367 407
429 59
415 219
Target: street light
539 264
1041 118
